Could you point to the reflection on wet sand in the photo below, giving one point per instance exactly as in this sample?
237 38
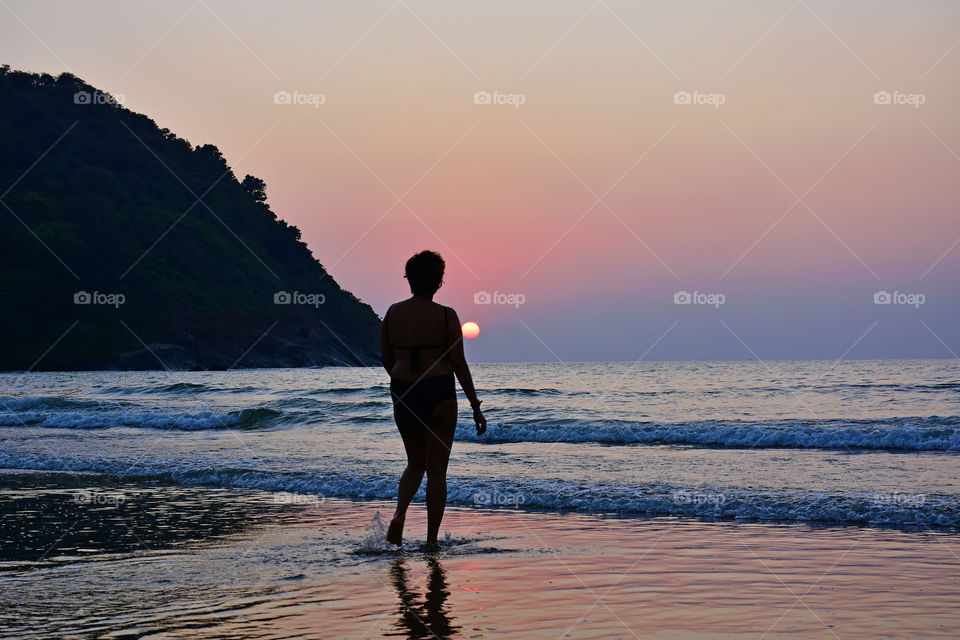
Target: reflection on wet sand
56 518
422 616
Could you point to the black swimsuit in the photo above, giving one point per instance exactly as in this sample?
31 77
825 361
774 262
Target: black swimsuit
418 398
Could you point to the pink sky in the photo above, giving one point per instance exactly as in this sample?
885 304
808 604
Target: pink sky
499 190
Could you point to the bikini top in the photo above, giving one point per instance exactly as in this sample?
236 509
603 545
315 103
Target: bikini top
417 348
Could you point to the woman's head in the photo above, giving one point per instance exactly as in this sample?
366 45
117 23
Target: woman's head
424 273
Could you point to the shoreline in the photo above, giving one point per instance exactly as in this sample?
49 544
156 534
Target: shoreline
261 494
209 562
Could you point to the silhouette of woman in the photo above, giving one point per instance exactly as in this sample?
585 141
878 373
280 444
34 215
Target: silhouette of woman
422 348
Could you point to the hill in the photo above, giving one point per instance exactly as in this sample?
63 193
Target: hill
124 246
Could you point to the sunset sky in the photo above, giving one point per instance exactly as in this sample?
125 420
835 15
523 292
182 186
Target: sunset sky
792 189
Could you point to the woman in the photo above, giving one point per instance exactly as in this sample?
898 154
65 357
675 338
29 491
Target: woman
422 347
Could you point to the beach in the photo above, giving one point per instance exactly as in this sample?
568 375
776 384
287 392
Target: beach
254 564
607 500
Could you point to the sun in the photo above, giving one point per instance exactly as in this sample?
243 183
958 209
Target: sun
470 330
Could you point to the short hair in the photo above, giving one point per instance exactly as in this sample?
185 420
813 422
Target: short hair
424 273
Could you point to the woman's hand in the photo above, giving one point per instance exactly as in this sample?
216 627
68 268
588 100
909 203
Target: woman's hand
480 421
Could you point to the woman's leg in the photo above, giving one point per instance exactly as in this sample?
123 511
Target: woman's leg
412 433
441 424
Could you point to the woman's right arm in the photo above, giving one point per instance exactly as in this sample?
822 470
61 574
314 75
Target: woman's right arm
386 349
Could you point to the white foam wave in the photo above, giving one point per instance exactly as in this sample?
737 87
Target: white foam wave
864 508
910 434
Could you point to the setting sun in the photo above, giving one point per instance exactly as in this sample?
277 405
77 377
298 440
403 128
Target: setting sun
471 330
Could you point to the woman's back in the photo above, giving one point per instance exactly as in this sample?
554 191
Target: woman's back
418 331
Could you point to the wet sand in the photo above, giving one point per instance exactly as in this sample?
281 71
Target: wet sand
174 562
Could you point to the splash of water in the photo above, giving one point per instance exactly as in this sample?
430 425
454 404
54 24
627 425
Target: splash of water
375 540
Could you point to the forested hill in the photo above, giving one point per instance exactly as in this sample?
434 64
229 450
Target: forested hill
123 246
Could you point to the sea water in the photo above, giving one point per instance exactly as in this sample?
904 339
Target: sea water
852 442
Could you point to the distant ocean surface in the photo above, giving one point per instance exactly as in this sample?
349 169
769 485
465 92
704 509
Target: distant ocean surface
854 442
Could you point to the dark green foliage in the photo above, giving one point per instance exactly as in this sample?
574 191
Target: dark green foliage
256 187
131 208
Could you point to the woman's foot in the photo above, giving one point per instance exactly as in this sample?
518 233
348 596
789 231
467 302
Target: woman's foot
430 546
395 531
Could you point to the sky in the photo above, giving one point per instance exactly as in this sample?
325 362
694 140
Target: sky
626 180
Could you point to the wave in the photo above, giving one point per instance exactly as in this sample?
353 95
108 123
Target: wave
524 391
65 413
937 386
509 391
933 433
51 404
379 388
178 388
38 414
857 508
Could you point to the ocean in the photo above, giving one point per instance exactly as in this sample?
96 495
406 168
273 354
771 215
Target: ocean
867 443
